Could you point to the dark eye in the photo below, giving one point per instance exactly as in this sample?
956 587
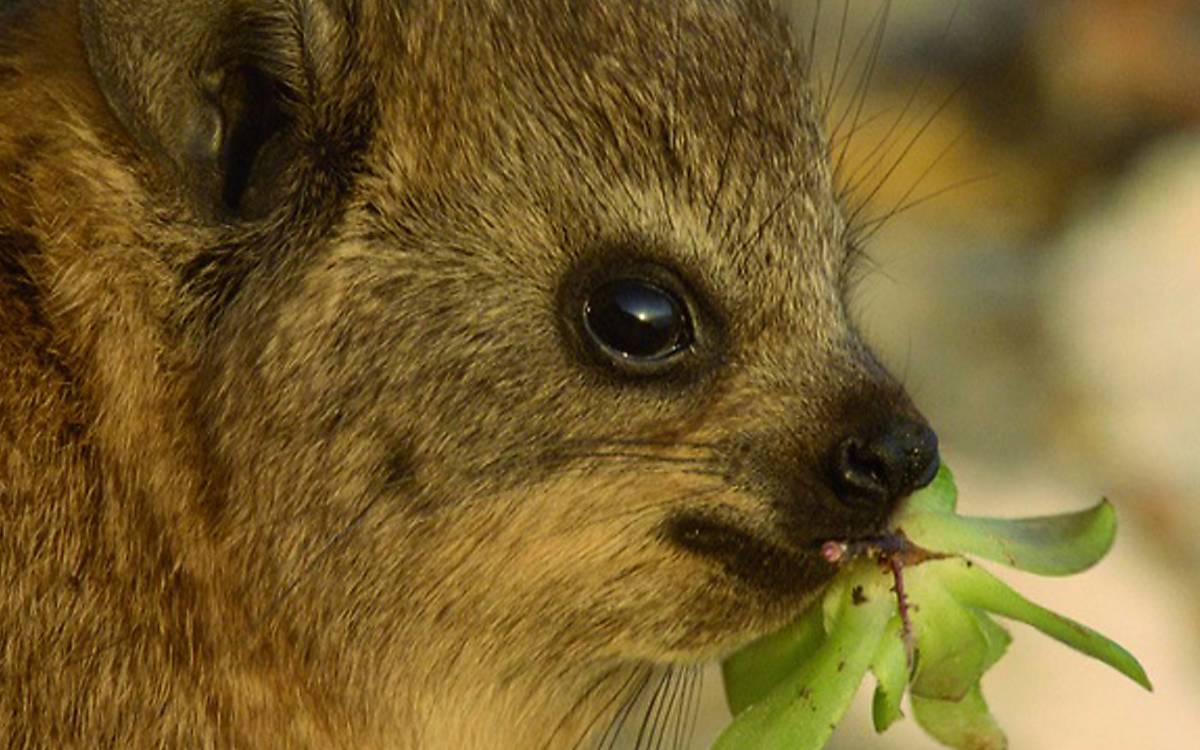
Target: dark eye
637 320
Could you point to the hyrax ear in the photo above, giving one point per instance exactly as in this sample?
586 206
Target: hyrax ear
211 90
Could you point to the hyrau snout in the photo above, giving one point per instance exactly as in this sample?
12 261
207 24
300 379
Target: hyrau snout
877 465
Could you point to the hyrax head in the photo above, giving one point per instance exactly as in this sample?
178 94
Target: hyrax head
523 321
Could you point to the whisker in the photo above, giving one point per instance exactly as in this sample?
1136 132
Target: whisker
634 516
859 98
645 465
874 225
587 729
907 149
811 52
739 216
778 206
881 148
835 94
683 715
694 709
640 441
610 737
642 469
730 132
867 122
670 716
874 158
584 697
837 57
654 702
757 234
635 456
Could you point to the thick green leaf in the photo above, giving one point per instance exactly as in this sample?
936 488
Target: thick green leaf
751 673
974 586
890 667
939 496
952 648
996 635
964 725
837 595
1048 545
801 712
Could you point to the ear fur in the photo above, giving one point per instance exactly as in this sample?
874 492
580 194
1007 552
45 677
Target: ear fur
211 90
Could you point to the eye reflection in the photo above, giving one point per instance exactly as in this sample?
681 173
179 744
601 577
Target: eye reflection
637 320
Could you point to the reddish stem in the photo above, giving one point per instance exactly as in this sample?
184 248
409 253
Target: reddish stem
906 627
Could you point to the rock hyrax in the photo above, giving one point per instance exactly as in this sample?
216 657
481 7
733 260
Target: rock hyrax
413 373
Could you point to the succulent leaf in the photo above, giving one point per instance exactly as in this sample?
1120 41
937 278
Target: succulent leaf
801 711
939 496
751 673
997 637
890 667
966 724
1048 545
952 648
974 586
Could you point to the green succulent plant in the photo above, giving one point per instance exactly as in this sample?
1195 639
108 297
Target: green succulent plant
913 608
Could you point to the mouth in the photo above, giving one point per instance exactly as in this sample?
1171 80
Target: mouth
769 567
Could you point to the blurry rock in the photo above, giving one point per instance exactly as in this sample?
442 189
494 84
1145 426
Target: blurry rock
1114 67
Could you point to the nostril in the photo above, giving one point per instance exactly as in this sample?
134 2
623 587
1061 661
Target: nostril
886 464
858 474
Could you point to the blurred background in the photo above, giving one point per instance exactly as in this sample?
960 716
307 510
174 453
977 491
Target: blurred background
1038 289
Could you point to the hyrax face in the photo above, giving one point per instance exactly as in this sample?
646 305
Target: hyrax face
523 324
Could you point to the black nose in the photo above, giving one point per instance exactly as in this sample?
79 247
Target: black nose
878 466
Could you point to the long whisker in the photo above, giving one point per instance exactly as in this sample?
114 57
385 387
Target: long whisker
635 457
669 713
872 160
600 713
875 158
582 700
650 709
685 716
730 134
879 24
635 517
644 470
835 93
859 97
811 52
613 733
640 441
865 123
870 228
837 59
904 153
739 216
694 711
651 720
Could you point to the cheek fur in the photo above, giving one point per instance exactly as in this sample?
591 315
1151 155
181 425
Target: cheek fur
582 563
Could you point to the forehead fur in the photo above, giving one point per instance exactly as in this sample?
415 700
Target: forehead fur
688 123
651 76
707 97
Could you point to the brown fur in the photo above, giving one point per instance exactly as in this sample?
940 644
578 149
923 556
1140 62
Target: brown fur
339 474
